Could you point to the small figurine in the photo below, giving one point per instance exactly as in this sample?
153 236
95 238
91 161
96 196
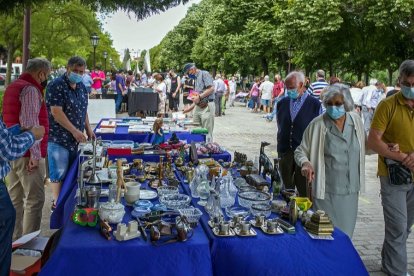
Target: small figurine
120 180
264 161
158 131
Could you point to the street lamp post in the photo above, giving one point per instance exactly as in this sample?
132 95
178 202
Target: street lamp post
94 41
105 55
290 54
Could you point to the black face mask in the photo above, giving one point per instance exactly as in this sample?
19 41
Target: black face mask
44 83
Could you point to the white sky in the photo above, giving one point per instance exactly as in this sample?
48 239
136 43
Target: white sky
129 33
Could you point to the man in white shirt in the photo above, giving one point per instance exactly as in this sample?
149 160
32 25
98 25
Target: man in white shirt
366 103
219 90
232 88
266 89
356 93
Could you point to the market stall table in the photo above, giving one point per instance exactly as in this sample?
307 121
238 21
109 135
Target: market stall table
142 101
225 156
285 254
121 133
83 251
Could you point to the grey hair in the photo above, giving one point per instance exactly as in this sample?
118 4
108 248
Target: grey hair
407 68
300 77
76 61
320 73
266 78
339 89
36 64
373 81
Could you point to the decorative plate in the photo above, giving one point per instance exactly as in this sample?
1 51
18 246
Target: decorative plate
147 194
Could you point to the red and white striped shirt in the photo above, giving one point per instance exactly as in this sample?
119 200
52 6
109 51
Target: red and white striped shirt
31 102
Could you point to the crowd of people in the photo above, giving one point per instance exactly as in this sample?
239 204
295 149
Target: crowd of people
40 119
324 130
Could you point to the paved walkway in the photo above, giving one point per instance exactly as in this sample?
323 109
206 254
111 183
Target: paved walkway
240 130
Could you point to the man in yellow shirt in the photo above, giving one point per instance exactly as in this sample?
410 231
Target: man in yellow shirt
393 122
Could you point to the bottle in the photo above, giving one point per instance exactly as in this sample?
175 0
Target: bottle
226 199
203 191
194 185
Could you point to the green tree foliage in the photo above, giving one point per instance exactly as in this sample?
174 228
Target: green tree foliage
355 37
66 29
11 38
141 8
59 31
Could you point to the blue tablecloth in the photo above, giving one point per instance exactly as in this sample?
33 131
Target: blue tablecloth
121 133
284 254
225 156
83 251
56 218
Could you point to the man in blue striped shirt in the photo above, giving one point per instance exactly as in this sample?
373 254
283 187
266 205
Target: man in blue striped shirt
316 87
12 147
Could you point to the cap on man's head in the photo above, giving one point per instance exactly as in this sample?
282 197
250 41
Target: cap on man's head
188 66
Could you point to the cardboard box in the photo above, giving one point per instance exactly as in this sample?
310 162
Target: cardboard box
27 265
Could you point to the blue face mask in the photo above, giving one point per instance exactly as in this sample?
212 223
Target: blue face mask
191 76
75 78
335 112
408 92
292 93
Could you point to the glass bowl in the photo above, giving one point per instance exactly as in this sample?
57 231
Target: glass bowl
192 214
143 203
167 190
240 182
112 212
175 202
140 211
159 207
237 211
261 209
247 199
247 189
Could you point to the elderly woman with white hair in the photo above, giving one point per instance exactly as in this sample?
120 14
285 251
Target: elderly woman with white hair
332 158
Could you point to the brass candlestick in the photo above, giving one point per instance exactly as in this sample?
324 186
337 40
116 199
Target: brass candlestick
161 168
120 180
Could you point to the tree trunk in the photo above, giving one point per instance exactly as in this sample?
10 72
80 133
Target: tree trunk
26 36
390 83
367 78
214 71
331 69
359 75
265 66
10 54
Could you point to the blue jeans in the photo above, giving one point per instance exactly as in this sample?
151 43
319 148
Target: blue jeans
60 159
118 102
7 220
270 118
